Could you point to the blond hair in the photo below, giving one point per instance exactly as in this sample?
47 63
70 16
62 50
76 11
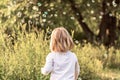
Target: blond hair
61 41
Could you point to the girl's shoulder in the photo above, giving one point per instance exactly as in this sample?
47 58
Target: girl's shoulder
73 54
58 53
50 55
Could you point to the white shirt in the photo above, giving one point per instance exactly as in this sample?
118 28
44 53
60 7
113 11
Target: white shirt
61 66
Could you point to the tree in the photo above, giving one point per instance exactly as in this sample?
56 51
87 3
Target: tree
90 20
107 27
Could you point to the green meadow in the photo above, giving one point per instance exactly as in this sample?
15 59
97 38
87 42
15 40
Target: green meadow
24 59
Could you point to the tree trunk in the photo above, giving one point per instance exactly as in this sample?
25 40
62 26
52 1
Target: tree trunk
89 34
107 26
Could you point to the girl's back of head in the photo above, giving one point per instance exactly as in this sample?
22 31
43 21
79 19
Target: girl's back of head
61 41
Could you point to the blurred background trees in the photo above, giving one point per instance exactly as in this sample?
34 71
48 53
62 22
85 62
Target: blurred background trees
91 20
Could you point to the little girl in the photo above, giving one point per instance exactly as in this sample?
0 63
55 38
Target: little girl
61 63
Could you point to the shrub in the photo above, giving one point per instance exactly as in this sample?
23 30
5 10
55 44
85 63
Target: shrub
23 60
115 59
90 65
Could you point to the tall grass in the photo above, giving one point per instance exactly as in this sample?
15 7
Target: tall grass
23 55
23 60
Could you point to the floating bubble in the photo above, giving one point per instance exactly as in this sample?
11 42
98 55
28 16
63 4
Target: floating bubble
64 13
76 41
51 15
88 4
91 11
72 18
44 15
51 5
114 4
93 1
46 12
48 9
100 17
31 2
110 14
30 17
93 18
39 12
77 13
35 8
39 4
83 20
55 15
44 20
108 4
52 8
101 13
36 15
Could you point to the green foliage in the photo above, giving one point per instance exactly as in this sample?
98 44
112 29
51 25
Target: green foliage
29 14
40 14
90 64
49 13
114 61
23 45
24 59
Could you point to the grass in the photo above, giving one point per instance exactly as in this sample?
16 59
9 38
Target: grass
24 59
111 74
